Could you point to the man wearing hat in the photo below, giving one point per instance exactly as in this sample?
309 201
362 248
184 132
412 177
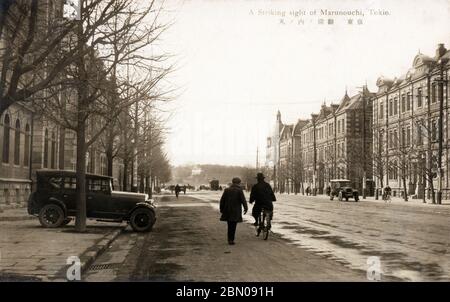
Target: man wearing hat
231 204
263 196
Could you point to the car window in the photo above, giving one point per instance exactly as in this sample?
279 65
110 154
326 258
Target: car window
99 185
70 183
55 183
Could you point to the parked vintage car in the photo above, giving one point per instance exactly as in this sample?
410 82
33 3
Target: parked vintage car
54 201
342 189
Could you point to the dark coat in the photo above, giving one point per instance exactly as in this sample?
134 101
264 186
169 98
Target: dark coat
231 204
262 194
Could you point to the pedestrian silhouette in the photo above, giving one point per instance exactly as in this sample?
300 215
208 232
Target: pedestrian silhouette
177 190
231 204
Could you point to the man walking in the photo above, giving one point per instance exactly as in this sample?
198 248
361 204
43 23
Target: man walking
263 196
177 190
231 204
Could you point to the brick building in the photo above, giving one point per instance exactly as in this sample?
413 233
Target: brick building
406 127
335 143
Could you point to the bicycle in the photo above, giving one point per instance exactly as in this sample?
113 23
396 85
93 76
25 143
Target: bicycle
264 223
387 197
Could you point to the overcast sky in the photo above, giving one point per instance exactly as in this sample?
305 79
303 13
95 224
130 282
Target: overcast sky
241 61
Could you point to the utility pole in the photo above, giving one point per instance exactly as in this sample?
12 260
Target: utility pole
441 83
257 158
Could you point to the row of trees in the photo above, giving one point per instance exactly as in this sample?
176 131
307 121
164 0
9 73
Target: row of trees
99 75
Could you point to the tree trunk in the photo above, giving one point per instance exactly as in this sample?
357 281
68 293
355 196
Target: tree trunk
80 222
109 160
141 184
405 192
125 175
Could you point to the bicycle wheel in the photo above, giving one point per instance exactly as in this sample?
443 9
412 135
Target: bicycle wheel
265 226
258 226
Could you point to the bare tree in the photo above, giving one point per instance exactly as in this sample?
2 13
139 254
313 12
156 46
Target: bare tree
100 78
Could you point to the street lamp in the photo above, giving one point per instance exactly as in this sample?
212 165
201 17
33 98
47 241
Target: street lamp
441 81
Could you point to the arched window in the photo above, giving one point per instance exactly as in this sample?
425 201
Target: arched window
46 149
17 143
26 153
53 152
6 126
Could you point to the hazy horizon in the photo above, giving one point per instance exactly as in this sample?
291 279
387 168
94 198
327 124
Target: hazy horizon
238 65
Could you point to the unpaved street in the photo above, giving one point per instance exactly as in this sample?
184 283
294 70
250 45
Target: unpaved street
188 243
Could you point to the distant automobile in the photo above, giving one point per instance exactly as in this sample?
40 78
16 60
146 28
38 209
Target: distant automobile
342 189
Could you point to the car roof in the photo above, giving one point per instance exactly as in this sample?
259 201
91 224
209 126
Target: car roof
47 172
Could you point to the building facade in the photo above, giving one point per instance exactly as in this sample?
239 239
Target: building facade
408 112
273 150
335 143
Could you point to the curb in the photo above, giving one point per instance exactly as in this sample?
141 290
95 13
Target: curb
91 254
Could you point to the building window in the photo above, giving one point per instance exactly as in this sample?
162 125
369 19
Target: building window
390 139
395 138
403 103
391 107
403 137
419 135
433 93
395 106
17 143
434 130
26 153
46 149
6 139
381 142
408 101
408 136
419 97
381 110
53 152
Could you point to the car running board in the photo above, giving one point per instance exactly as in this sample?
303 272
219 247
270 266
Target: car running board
109 220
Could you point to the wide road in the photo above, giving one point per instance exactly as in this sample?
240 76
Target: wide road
188 243
411 240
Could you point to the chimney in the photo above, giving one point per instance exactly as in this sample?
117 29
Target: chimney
440 51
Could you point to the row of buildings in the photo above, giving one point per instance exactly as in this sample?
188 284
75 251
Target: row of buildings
393 136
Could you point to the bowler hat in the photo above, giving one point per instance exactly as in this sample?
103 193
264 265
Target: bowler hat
260 176
236 180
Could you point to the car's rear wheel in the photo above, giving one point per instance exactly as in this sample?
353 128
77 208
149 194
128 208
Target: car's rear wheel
51 216
142 220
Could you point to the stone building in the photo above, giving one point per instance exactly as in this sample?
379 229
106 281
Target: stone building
406 127
297 163
308 149
335 143
285 163
15 168
273 150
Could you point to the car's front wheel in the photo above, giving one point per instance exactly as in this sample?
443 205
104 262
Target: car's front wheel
142 220
51 216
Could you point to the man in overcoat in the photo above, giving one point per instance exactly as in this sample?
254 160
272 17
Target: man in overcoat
231 204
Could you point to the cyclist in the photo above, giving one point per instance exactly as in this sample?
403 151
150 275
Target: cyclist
263 196
387 194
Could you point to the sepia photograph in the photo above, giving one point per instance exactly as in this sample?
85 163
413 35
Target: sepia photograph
224 148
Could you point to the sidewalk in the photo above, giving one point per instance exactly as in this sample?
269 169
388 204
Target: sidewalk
394 200
29 252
